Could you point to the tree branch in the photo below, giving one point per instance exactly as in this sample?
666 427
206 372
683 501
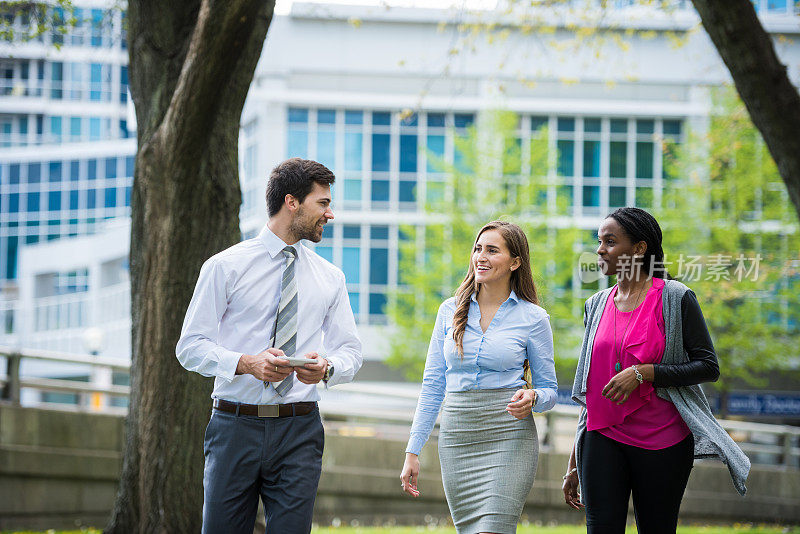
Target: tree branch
761 80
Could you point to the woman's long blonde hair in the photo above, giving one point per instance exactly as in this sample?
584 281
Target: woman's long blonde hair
521 278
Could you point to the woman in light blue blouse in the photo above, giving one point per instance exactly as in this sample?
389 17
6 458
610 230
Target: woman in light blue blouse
488 447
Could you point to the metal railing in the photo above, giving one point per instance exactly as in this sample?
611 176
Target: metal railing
363 403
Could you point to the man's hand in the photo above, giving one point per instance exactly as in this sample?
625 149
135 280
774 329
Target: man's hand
268 366
312 373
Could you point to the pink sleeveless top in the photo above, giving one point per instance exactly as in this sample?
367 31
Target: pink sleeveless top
645 420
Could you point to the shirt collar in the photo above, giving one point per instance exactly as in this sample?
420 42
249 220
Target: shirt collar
511 296
273 243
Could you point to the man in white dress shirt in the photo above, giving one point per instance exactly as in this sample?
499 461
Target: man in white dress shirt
256 305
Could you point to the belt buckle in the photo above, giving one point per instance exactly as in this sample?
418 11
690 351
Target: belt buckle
268 410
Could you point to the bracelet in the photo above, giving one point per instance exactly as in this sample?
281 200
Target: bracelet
573 470
639 376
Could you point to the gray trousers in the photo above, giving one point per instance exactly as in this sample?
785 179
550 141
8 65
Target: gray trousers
278 459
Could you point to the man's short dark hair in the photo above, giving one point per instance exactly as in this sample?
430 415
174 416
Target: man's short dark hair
296 177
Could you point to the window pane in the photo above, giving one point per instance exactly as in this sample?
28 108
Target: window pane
111 167
591 159
380 152
377 302
672 127
408 153
54 201
619 126
566 156
298 143
379 232
326 116
381 118
618 160
566 124
435 120
34 173
644 160
326 148
353 302
463 120
380 190
111 197
591 196
645 126
616 197
591 125
353 117
408 191
351 264
352 189
298 115
537 123
351 231
353 143
379 266
436 148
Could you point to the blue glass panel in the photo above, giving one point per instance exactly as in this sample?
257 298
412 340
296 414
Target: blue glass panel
672 127
408 191
591 125
566 124
74 171
298 115
96 77
325 252
380 190
11 257
644 160
123 79
129 165
353 150
55 128
34 173
298 143
619 126
537 123
353 117
111 197
618 152
645 126
91 199
616 197
409 121
591 196
13 173
326 148
377 302
353 302
379 232
123 129
326 116
57 76
92 169
435 120
380 152
327 231
352 189
127 196
591 159
408 153
94 128
566 158
381 118
73 199
351 231
55 171
111 167
463 120
54 201
13 202
351 264
97 27
33 204
436 147
75 127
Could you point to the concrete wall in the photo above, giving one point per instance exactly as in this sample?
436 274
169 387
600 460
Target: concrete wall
60 469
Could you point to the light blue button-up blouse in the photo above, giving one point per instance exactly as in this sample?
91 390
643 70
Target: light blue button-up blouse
492 359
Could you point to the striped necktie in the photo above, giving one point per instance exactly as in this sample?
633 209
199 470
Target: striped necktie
286 322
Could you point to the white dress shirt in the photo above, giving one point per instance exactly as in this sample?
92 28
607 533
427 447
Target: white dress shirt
233 312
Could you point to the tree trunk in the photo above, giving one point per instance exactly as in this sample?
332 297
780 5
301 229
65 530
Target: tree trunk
191 64
761 80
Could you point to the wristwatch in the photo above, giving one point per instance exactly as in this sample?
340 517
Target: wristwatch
328 372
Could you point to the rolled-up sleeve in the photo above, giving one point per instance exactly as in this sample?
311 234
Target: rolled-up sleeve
543 367
433 387
341 341
198 349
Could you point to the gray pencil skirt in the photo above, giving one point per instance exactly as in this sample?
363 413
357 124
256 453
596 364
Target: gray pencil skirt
488 460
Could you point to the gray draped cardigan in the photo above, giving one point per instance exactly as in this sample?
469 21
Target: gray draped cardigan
710 439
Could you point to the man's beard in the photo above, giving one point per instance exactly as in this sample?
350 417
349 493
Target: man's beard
302 229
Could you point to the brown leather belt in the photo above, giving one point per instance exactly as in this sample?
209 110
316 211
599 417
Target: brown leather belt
265 410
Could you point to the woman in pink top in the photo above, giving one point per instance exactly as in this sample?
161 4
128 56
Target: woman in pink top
635 441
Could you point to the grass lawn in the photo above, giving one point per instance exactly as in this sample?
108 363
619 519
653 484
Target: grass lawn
530 529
